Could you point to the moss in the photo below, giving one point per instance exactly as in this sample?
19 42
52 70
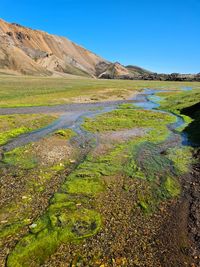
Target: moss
60 197
181 157
58 167
36 247
187 121
144 206
131 169
172 187
126 119
179 100
12 126
151 162
21 158
65 133
6 136
127 106
11 229
83 186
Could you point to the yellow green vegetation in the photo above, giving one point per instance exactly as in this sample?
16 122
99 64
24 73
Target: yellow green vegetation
176 101
70 217
60 224
26 162
127 118
181 157
172 187
21 158
13 125
65 133
144 160
181 99
34 91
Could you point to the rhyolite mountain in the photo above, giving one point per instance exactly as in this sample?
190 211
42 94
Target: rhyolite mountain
34 52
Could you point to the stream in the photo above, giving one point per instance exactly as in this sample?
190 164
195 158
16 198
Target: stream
73 116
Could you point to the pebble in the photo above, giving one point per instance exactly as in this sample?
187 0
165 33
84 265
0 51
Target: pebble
33 225
4 221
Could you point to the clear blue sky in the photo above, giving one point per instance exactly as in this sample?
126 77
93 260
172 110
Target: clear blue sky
160 35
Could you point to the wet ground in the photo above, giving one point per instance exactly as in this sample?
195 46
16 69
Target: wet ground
127 238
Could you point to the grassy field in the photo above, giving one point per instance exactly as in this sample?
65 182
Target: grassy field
35 91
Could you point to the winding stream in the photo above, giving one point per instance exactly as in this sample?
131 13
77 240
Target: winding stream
73 116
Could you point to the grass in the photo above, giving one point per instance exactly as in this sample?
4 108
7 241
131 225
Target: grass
175 102
12 126
36 91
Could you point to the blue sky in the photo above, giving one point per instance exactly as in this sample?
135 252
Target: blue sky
160 35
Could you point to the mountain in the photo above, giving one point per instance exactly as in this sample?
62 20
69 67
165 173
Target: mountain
34 52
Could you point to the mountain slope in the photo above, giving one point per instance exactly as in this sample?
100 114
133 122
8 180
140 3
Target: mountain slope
35 52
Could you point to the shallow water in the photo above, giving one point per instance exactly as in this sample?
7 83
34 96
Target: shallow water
73 116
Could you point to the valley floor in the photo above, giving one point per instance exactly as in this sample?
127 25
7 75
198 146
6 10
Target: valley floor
106 183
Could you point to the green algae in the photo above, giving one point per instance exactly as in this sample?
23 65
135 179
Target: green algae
151 162
11 229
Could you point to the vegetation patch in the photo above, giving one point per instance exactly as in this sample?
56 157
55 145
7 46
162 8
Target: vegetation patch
181 157
36 91
171 187
59 225
20 157
12 126
152 163
65 133
175 102
127 118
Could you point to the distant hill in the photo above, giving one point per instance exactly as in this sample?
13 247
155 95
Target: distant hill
137 70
